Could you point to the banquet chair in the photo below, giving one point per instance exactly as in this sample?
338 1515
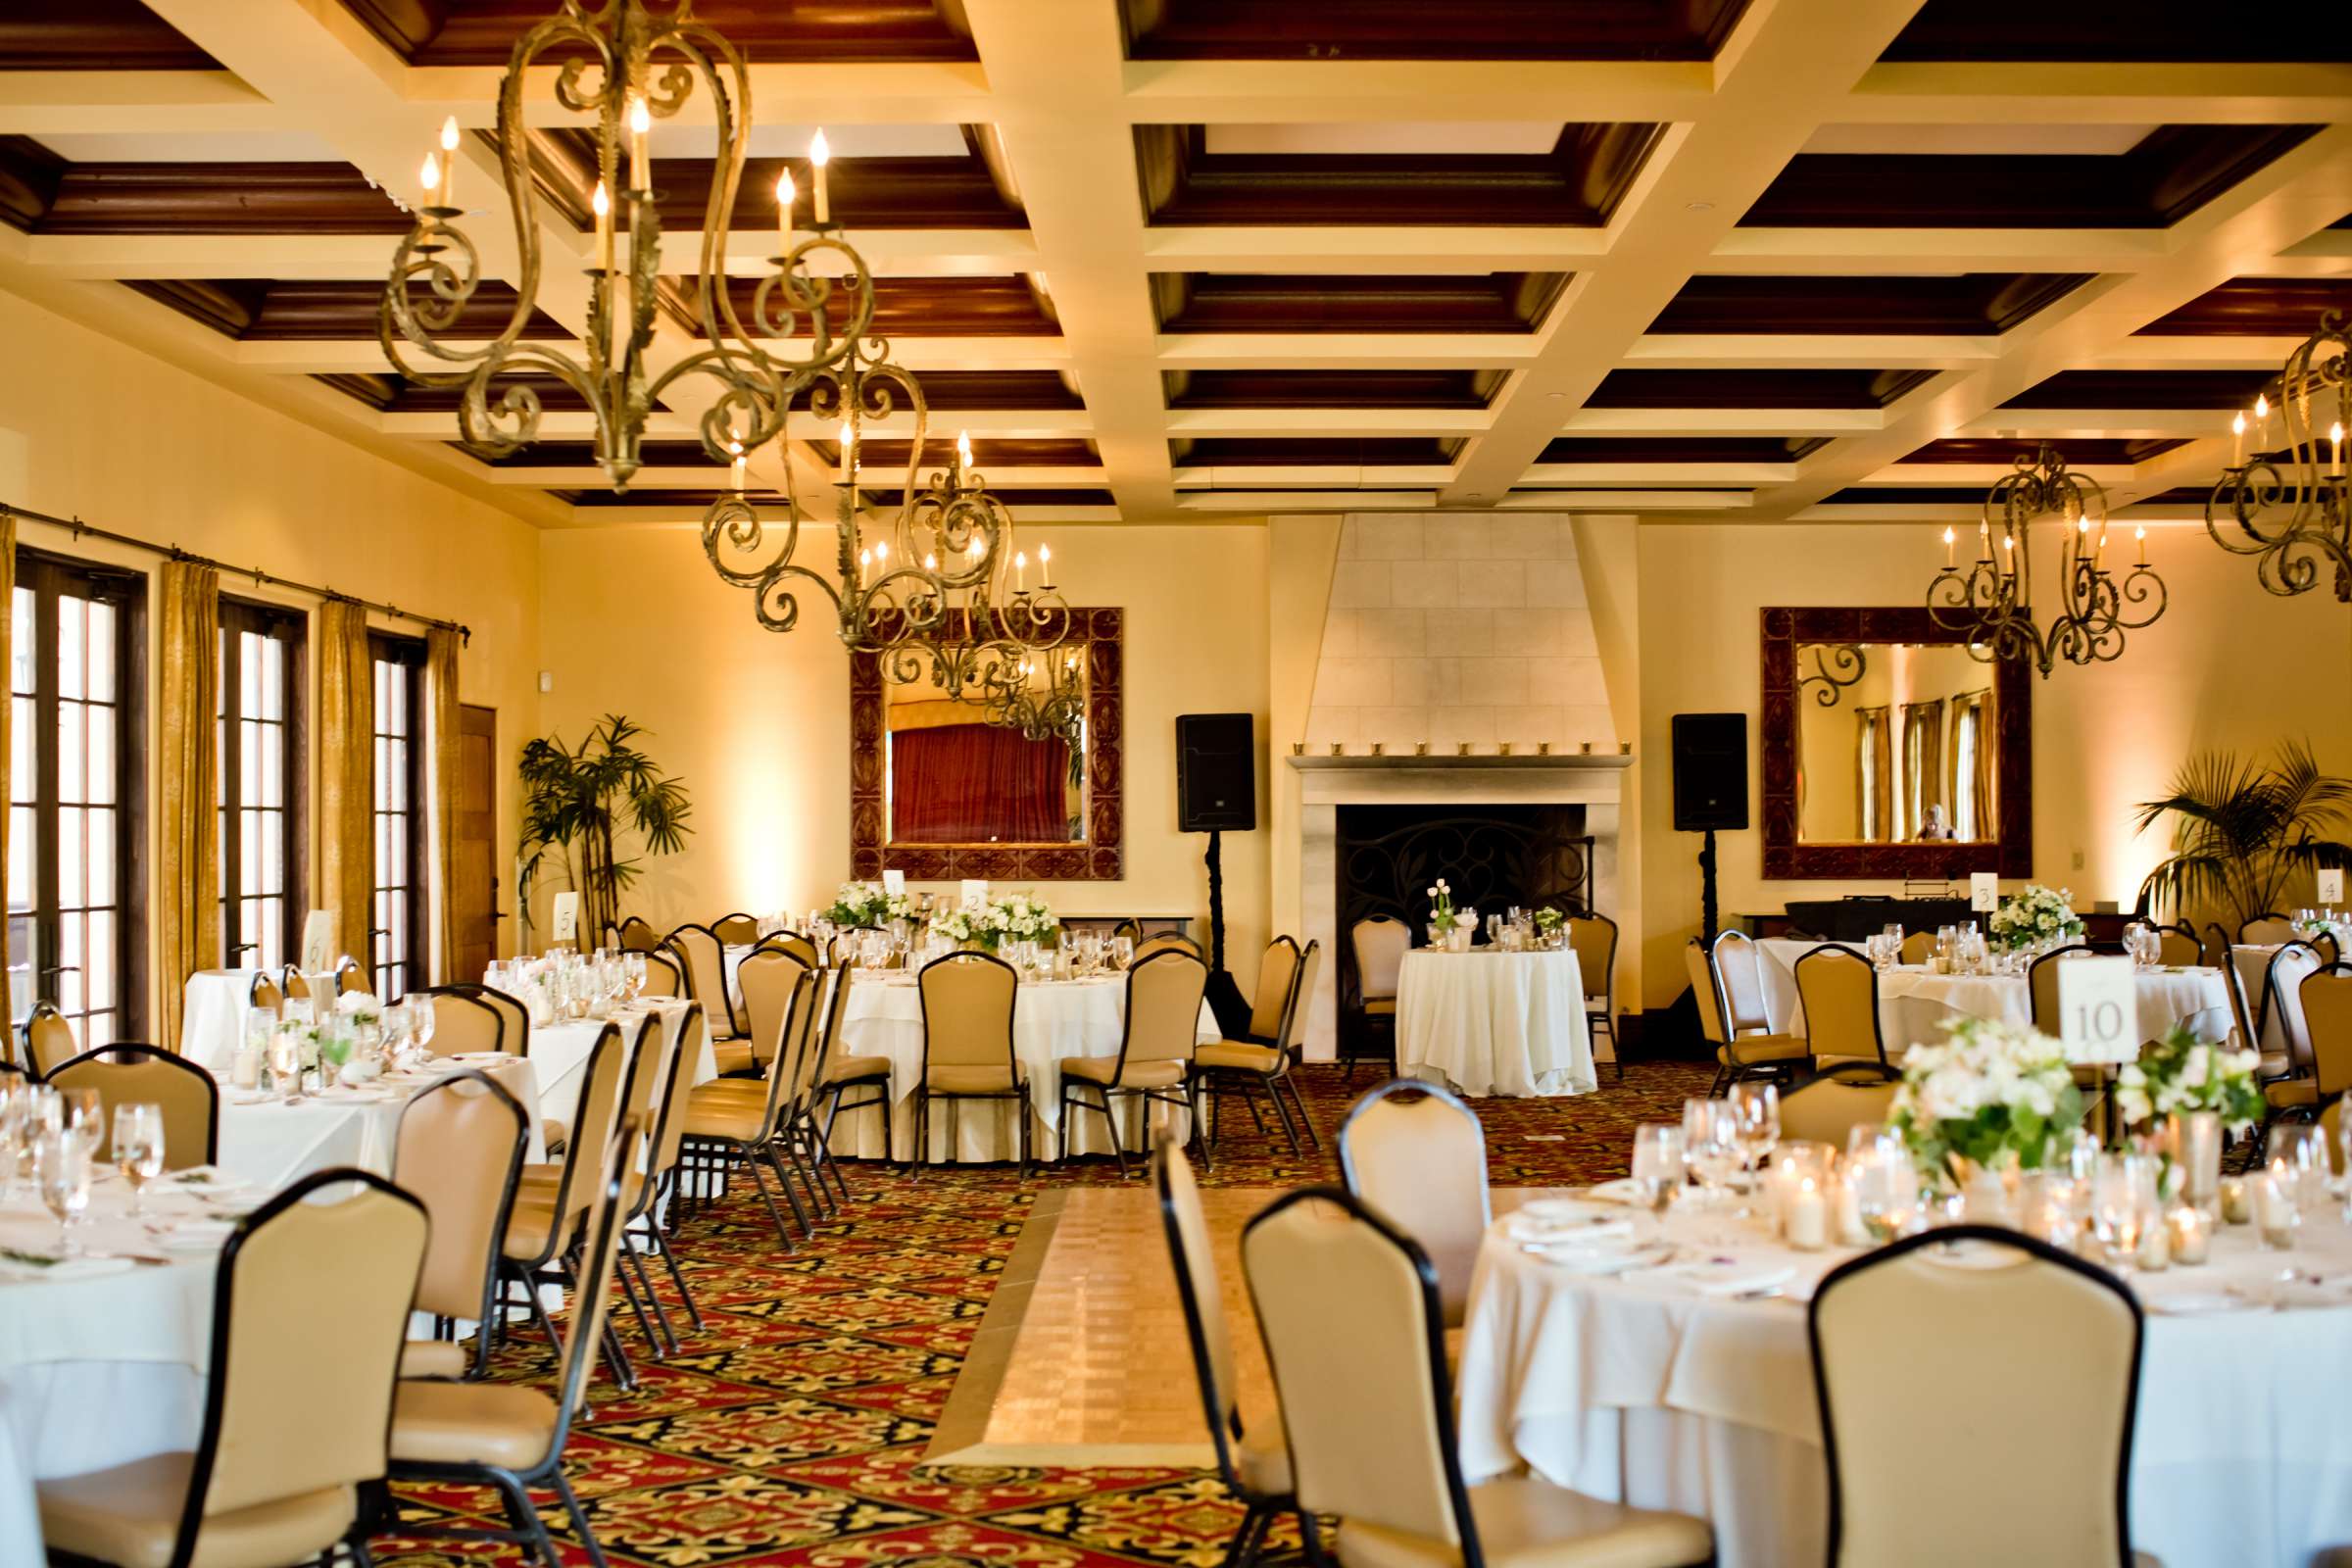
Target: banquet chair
1167 942
1155 1051
293 983
731 1123
704 967
459 1152
793 1146
544 1225
736 930
264 993
2216 944
287 1440
1416 1154
2178 946
643 1199
1594 938
1833 1101
123 1074
1744 1046
791 941
2042 995
1918 948
1130 928
2323 943
662 976
508 1435
349 976
2001 1446
636 936
466 1020
2269 929
805 1136
968 1000
839 1074
1286 988
2331 1133
1839 991
48 1039
1338 1289
765 983
1255 1465
1380 944
2283 1002
8 1069
2320 1074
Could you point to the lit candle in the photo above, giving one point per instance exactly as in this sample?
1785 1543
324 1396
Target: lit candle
963 449
449 162
740 463
2191 1236
602 202
848 445
930 561
2274 1212
820 153
2139 535
865 559
1947 548
2262 420
2336 438
641 124
1044 566
1020 569
786 194
1808 1217
430 177
972 551
2237 442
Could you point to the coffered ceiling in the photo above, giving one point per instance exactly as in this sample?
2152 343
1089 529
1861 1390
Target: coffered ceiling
1746 258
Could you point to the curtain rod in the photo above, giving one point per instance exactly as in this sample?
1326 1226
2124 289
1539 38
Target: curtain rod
259 577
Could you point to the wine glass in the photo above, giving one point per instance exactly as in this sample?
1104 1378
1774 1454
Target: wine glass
420 1027
139 1146
1710 1144
84 1118
1885 1187
2302 1147
285 1062
1757 1122
1658 1171
15 1121
632 973
62 1165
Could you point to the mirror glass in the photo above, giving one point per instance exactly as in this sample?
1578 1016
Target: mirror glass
1895 744
953 779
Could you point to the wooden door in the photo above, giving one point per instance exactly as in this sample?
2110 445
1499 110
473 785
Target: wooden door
474 900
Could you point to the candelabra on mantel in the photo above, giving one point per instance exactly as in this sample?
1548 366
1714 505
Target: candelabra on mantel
1992 603
2288 505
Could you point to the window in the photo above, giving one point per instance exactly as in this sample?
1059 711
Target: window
260 784
399 936
76 913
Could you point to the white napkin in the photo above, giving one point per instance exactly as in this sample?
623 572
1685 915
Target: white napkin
1715 1279
1587 1233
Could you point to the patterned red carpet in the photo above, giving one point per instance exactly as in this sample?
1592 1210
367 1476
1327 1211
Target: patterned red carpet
790 1429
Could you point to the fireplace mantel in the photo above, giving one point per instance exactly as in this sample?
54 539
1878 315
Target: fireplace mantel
1453 763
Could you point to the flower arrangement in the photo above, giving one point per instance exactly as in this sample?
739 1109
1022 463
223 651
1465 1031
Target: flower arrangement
2037 914
2180 1075
1989 1097
1550 920
865 906
1440 904
1012 918
359 1009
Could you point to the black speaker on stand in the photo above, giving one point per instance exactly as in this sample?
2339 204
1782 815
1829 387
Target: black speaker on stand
1216 791
1710 796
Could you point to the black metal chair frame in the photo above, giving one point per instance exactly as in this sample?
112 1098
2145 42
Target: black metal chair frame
1606 1021
833 1095
135 1050
468 991
925 1094
445 1327
1175 1096
1213 1083
1839 952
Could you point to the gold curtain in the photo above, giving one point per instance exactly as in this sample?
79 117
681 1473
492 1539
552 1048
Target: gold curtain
8 632
1873 769
187 893
1923 766
347 776
1971 717
441 703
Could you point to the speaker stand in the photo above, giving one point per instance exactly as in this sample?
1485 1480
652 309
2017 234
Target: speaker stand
1225 997
1706 889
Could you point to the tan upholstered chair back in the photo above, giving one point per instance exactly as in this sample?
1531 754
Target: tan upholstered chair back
1194 1258
663 978
128 1074
1918 946
463 1024
1417 1155
1164 1007
800 1014
2042 986
1338 1294
619 1147
459 1153
800 947
1826 1109
1840 993
1302 1000
2326 999
805 1041
2282 999
1703 990
1736 960
2267 931
2013 1443
1381 944
264 994
828 1038
766 979
967 1010
706 971
294 983
736 930
669 1135
591 1125
1166 942
2332 1128
1275 974
48 1040
1593 940
286 1424
514 1014
2178 947
349 976
636 936
648 1066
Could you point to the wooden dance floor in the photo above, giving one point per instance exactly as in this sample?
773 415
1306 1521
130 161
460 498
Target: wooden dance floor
1082 1359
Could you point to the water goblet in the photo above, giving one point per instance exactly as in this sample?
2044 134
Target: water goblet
62 1165
1756 1120
1885 1187
16 1113
139 1146
2301 1148
1711 1144
84 1118
1657 1169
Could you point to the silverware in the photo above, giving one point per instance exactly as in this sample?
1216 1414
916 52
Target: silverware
1762 1292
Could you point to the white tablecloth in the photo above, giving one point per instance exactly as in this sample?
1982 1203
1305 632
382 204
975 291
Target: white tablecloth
1637 1389
1914 1001
211 1020
272 1143
1488 1022
1051 1019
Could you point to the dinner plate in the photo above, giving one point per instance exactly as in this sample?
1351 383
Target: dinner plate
198 1236
2196 1304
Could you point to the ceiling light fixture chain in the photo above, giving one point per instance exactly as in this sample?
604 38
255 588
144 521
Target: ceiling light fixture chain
1991 601
2288 505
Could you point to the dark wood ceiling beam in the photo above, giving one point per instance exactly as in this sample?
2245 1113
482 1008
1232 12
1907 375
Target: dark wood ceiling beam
254 310
1330 389
2143 389
867 193
988 454
1680 449
1312 452
2113 32
1754 389
2255 307
482 33
1410 29
927 307
93 35
394 393
290 198
1972 304
2086 453
30 174
1236 302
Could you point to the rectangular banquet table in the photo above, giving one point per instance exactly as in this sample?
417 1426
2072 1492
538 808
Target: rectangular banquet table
1051 1019
1490 1022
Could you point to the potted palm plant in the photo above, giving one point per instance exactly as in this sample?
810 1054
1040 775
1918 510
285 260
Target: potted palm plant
577 804
2243 832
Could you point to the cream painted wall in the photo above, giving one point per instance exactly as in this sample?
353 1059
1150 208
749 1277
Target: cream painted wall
91 428
757 723
2104 738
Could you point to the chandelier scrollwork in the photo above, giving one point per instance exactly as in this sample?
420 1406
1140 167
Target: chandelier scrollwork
1991 601
1836 667
2287 506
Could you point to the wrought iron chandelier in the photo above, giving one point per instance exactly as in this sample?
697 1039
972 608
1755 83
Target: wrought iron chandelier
1991 601
2286 507
938 589
1836 667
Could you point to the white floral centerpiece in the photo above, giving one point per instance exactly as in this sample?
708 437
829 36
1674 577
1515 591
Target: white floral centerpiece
1990 1096
2180 1074
1022 918
864 905
2037 916
359 1009
1452 927
959 925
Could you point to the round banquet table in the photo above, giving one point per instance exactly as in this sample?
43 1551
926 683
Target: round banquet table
212 1021
1490 1022
1051 1019
1654 1387
271 1143
1915 1001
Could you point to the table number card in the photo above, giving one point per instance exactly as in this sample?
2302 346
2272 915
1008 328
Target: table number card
2329 888
565 919
894 883
975 893
319 942
2098 1011
1984 892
